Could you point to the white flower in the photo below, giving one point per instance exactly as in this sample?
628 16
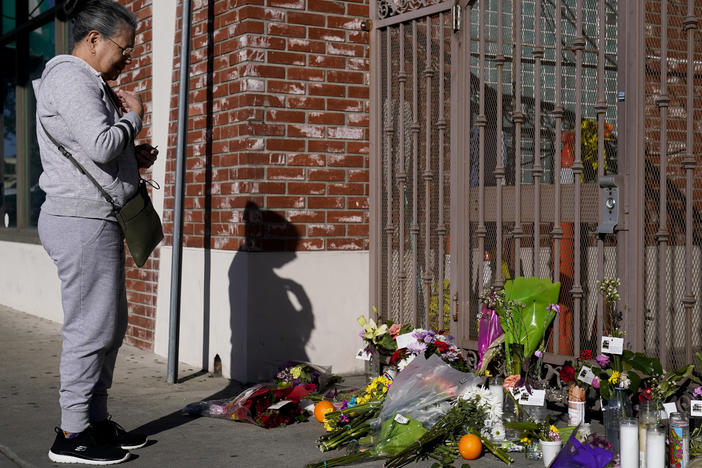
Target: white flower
624 381
488 402
584 431
405 362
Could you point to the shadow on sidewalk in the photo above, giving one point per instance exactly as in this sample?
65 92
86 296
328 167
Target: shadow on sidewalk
179 417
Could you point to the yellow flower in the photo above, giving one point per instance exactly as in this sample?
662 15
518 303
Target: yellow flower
296 372
487 373
554 429
524 440
615 377
327 426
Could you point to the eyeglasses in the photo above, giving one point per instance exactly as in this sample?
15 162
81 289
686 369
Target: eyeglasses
126 51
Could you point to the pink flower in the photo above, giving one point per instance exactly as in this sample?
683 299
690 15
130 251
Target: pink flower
510 381
596 382
697 392
538 353
602 360
395 329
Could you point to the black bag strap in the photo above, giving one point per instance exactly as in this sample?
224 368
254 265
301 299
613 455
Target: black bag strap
78 166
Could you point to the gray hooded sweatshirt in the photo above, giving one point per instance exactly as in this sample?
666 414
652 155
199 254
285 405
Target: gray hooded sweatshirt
76 109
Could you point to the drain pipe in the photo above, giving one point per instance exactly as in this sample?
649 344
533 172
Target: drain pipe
177 260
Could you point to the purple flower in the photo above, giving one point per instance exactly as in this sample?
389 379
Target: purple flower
602 360
538 353
418 347
596 382
554 308
697 392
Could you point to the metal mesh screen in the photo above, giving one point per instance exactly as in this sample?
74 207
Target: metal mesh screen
415 92
673 199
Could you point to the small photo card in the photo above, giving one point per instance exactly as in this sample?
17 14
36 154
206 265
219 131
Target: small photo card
586 375
404 340
696 408
363 354
401 419
279 405
670 408
612 345
536 398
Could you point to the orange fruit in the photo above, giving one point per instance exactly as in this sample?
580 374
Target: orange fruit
470 447
322 408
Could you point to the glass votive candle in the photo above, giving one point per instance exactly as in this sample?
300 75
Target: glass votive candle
655 446
629 443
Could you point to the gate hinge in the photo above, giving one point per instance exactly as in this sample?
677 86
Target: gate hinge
456 17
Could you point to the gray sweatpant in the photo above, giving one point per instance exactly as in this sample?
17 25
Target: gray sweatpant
89 256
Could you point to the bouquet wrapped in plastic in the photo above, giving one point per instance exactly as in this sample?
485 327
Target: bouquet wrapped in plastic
262 405
423 390
489 330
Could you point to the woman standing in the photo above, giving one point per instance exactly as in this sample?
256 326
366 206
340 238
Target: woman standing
79 111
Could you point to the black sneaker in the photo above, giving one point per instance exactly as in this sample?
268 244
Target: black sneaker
110 432
85 449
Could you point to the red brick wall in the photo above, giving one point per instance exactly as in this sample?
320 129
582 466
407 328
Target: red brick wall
141 282
278 115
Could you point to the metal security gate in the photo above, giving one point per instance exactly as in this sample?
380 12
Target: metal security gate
411 95
500 129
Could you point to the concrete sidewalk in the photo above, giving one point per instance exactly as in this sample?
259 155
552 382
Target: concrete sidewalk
141 398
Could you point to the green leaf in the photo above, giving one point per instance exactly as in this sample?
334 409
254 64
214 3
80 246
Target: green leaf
522 425
388 342
698 361
680 374
642 363
635 382
536 294
605 389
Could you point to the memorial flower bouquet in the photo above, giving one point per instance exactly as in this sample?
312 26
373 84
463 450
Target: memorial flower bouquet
428 342
525 308
381 336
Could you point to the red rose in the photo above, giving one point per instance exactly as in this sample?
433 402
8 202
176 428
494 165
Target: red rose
398 356
646 394
441 346
567 374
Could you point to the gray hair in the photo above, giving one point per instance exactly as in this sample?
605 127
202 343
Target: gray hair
104 16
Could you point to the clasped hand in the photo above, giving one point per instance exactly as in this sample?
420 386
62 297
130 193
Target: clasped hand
145 155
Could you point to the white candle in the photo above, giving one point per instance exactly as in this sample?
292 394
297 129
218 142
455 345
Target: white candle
629 443
655 448
643 427
498 392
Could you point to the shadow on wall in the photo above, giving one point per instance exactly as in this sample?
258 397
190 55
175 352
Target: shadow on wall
271 316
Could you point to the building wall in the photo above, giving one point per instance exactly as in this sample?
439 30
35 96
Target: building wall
278 116
276 184
142 284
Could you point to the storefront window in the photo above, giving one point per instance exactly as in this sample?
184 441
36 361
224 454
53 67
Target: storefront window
27 42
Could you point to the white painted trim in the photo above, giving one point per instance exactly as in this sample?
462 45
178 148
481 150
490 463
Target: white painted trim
162 42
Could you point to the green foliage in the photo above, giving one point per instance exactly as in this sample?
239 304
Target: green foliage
435 302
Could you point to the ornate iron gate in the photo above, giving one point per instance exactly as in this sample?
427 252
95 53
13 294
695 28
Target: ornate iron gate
495 123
